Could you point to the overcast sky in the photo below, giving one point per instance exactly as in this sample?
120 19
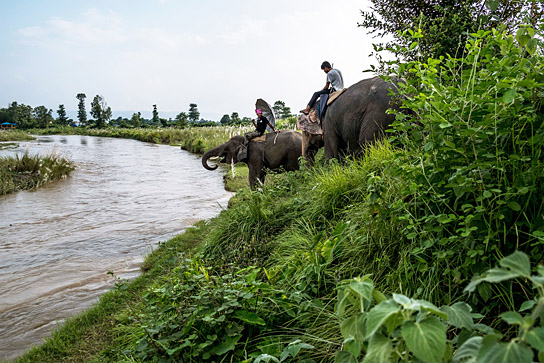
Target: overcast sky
221 55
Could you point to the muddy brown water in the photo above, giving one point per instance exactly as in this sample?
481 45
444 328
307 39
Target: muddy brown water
58 243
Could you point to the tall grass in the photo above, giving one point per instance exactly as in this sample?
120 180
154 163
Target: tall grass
14 135
31 171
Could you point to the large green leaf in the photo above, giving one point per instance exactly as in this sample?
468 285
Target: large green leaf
459 315
535 337
468 352
227 345
492 4
353 327
249 317
517 262
512 352
379 349
266 358
426 339
344 357
509 96
379 314
514 265
512 317
363 288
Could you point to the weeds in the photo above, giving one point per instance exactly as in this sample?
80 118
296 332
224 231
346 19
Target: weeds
30 172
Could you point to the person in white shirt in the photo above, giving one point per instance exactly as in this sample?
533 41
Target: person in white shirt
335 82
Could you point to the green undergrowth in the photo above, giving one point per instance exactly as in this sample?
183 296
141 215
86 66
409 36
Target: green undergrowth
27 171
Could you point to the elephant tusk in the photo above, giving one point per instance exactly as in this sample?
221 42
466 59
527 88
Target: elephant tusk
232 168
275 139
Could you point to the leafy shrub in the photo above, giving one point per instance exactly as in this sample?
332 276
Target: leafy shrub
475 161
381 329
198 316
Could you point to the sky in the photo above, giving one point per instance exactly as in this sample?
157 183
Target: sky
221 55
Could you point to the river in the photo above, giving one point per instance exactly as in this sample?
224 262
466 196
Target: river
58 243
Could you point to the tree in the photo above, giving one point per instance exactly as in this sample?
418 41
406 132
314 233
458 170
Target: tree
235 118
280 110
164 122
285 112
62 120
245 121
445 24
100 111
225 120
43 116
278 106
155 119
194 115
181 120
136 119
81 112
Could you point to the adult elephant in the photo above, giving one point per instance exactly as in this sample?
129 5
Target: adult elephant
271 151
355 119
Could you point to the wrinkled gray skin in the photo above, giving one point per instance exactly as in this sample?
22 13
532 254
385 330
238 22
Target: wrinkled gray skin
310 146
284 153
357 118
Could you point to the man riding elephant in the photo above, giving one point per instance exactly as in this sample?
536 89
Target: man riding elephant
335 82
358 117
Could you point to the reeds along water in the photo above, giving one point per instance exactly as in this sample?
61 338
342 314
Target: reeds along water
26 171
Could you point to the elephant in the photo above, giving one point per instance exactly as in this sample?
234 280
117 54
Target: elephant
355 119
276 151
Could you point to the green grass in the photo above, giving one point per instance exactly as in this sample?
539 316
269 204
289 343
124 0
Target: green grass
29 172
14 135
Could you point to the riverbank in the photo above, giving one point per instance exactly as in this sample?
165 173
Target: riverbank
28 172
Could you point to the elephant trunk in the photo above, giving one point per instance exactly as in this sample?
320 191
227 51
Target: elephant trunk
208 154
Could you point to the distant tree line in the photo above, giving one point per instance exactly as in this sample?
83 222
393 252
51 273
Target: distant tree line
280 111
27 117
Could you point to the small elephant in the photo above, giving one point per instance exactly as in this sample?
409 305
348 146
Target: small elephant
276 151
355 119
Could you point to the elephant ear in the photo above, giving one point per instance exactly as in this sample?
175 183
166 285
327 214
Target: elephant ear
241 155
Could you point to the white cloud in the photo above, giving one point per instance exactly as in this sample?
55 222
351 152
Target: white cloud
219 57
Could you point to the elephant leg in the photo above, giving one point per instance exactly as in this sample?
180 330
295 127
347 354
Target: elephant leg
332 147
255 166
252 178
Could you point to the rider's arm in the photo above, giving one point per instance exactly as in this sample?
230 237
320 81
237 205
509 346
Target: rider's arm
326 86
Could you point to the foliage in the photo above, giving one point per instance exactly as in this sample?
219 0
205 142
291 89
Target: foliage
281 110
62 120
30 172
155 119
14 135
476 166
182 120
444 23
194 114
399 328
81 112
100 111
196 315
